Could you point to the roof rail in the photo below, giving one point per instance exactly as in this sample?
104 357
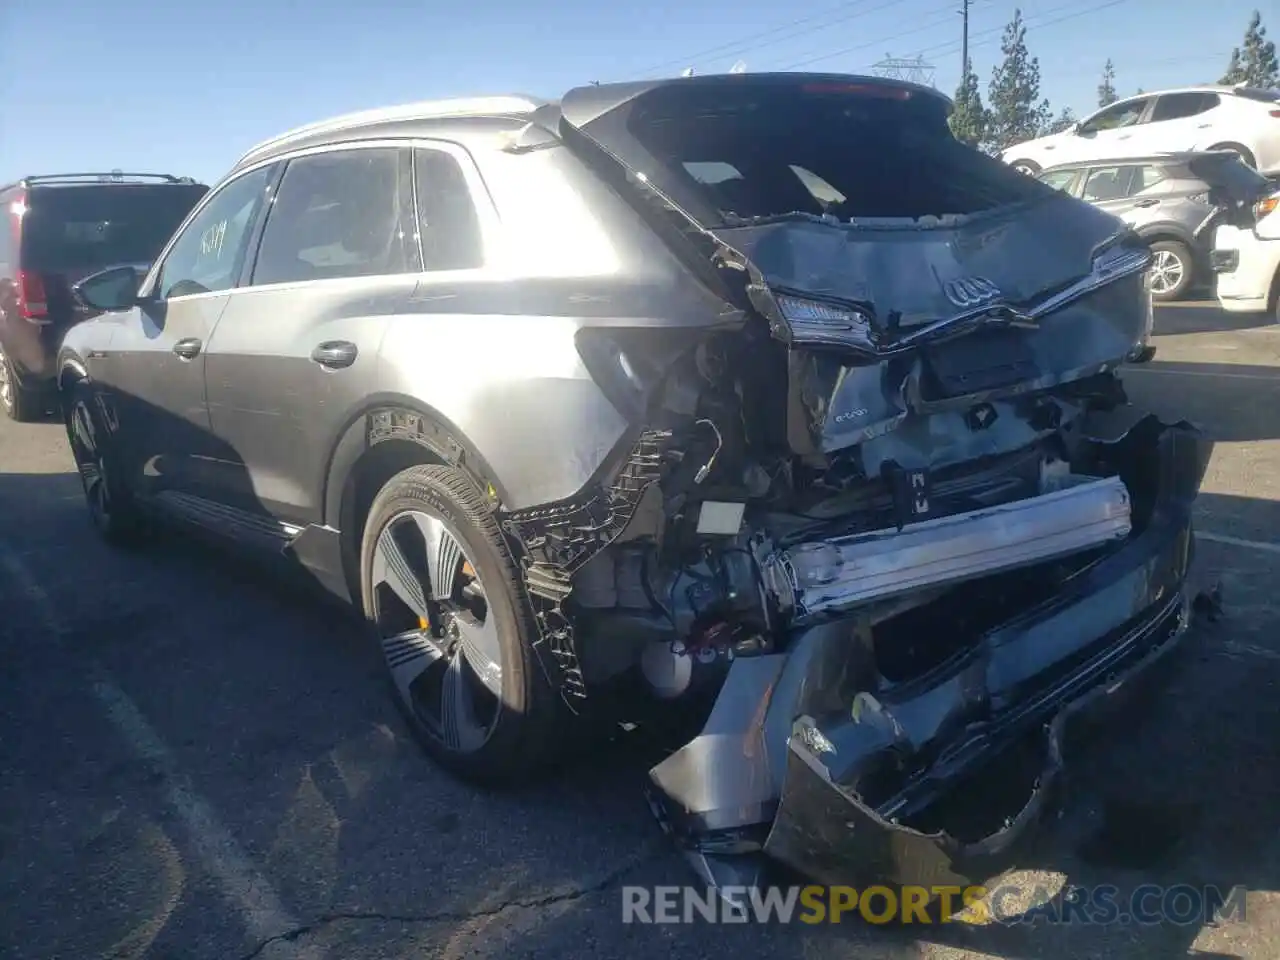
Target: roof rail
517 104
113 176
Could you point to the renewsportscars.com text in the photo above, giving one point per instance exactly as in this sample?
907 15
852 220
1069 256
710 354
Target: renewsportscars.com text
1148 904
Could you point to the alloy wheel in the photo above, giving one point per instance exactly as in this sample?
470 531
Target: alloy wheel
1166 272
6 383
439 641
87 451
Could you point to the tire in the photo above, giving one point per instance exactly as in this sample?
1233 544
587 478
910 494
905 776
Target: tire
111 508
1172 271
1243 152
19 404
494 730
1029 167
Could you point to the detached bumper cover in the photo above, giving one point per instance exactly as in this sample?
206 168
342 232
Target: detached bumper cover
883 788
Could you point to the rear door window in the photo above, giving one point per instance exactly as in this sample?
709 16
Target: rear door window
85 228
1111 183
1150 176
339 214
1058 179
1177 106
447 219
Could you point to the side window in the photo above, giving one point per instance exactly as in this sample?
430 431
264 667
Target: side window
337 214
1120 115
1148 178
447 220
207 257
1058 179
1176 106
1110 183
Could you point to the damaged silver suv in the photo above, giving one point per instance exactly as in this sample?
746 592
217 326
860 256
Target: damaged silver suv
755 395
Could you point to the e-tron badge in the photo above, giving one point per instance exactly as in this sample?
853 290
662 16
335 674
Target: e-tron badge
970 291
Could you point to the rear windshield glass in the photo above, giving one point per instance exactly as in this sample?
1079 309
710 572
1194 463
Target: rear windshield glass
97 226
822 148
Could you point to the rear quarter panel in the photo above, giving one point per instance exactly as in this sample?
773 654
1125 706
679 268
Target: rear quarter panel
492 351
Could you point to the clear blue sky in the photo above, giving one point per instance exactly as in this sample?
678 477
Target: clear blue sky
186 87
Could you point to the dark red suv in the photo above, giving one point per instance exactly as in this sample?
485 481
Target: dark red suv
58 229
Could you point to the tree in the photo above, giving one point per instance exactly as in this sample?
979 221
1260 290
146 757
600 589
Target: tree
1016 111
1062 121
969 117
1107 88
1254 64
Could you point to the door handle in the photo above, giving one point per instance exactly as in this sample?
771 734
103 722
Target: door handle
1146 203
188 348
335 354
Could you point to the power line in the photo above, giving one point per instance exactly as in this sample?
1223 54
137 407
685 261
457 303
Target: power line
949 7
734 45
941 49
846 13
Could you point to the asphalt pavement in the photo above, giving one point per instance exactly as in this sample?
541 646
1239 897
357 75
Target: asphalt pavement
196 763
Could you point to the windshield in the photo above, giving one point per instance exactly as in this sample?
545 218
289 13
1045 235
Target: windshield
845 149
84 228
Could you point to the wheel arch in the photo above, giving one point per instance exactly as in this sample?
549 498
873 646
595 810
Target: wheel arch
1167 230
1273 294
71 370
386 434
1236 147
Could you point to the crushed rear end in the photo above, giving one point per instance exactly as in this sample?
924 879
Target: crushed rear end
891 517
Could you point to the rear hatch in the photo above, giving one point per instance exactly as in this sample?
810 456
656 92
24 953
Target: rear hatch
869 232
71 231
1234 188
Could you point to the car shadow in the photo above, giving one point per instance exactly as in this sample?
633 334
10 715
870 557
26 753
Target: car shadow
1232 402
1203 315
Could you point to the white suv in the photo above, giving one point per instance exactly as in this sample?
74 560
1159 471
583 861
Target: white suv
1246 263
1242 119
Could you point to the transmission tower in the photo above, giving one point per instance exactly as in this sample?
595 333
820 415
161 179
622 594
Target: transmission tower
913 70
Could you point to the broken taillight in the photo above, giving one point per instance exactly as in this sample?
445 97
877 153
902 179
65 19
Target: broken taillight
816 321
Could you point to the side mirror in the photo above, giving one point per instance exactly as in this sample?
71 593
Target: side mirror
1076 128
115 288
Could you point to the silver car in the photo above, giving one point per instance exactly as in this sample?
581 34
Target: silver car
755 399
1167 202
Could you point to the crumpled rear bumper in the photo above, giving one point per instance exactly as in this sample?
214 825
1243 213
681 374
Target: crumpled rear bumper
940 776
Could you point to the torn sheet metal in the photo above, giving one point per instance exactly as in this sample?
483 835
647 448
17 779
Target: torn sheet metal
815 760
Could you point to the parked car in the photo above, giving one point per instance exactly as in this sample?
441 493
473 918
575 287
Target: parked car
758 394
1246 262
1244 120
1169 200
59 229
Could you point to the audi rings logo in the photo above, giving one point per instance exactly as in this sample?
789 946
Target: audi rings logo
970 291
